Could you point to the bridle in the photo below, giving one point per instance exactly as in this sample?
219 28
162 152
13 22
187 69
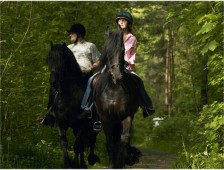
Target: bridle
114 65
115 76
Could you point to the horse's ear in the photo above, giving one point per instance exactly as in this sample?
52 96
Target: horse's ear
52 45
107 31
64 45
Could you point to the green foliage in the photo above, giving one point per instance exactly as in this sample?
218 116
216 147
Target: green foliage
211 37
26 31
212 24
140 130
206 146
171 132
26 155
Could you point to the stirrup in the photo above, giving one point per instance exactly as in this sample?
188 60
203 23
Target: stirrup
97 126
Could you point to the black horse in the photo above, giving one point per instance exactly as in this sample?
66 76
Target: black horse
68 84
116 101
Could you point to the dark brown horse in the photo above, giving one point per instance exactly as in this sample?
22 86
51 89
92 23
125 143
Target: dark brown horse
116 101
67 88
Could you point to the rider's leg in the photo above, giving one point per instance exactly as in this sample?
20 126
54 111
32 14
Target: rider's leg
145 100
87 92
87 101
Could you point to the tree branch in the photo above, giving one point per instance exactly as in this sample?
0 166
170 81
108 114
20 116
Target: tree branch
20 43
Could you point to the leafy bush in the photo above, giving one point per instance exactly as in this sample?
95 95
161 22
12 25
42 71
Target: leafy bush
22 154
206 146
171 132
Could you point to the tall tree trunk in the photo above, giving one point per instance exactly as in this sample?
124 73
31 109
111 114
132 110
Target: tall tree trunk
204 81
194 91
168 90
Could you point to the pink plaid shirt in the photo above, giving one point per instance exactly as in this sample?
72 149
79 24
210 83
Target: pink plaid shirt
130 51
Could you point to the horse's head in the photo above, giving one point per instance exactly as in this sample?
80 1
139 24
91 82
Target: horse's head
113 54
55 57
61 60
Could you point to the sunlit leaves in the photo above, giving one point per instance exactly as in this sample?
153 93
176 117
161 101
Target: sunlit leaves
208 26
209 46
211 31
216 70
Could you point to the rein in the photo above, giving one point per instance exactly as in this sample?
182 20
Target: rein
50 108
113 65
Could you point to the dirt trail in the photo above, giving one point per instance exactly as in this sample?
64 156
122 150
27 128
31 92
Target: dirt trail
154 159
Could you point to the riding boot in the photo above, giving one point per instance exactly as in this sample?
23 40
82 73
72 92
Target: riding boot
146 102
86 114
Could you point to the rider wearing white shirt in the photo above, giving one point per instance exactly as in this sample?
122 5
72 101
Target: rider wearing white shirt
86 54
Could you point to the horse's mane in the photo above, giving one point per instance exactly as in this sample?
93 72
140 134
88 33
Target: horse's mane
61 60
113 46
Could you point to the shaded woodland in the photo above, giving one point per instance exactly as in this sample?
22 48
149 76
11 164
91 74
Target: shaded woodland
179 58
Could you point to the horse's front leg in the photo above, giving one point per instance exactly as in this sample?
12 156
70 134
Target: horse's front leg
82 160
125 136
131 154
79 151
64 143
107 127
92 158
125 139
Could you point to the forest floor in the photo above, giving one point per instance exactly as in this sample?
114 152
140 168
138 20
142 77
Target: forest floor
154 159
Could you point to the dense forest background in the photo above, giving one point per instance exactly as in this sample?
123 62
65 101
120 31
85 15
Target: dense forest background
179 58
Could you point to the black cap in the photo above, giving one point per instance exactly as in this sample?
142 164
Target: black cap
124 15
78 29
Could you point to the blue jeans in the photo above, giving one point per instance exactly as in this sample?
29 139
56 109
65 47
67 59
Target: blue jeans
88 92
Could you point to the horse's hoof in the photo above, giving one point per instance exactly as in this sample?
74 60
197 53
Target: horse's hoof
133 155
67 166
74 164
70 164
92 159
131 160
83 166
